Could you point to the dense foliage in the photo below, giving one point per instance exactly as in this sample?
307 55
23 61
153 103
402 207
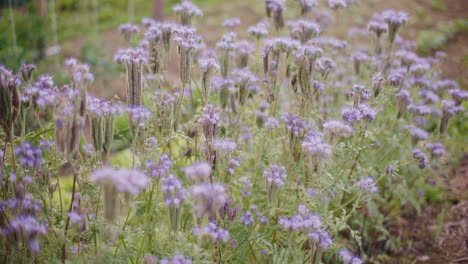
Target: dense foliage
288 147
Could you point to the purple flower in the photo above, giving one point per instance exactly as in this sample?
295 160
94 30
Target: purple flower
174 192
208 198
176 259
419 110
294 124
128 181
275 175
437 149
322 238
213 232
224 146
314 145
136 56
247 218
367 185
232 164
138 115
25 228
349 258
418 133
337 129
421 158
303 29
303 221
307 5
198 172
260 30
337 4
160 169
150 259
231 23
29 155
246 187
271 123
128 30
186 10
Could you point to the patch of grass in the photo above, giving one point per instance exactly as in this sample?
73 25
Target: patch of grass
430 40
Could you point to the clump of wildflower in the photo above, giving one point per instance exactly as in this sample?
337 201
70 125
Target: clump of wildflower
212 232
394 21
458 95
127 30
188 43
449 109
276 8
208 199
207 67
337 129
133 59
437 149
29 155
275 176
159 170
306 56
174 195
348 257
186 11
321 238
231 23
227 212
422 159
367 185
25 229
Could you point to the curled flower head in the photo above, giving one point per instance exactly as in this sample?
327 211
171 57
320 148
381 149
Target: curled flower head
136 56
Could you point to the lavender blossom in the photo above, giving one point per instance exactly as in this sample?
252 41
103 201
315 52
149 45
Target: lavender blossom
247 218
437 149
176 259
186 11
394 21
208 198
336 129
243 49
276 8
30 156
418 134
337 4
159 170
198 172
138 115
25 229
421 158
127 30
232 164
260 30
231 23
307 5
26 71
129 181
207 67
315 147
321 238
367 185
